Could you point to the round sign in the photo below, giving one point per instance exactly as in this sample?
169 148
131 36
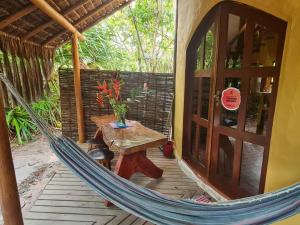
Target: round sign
231 98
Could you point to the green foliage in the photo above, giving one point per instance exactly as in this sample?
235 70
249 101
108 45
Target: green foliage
20 125
48 108
120 109
140 37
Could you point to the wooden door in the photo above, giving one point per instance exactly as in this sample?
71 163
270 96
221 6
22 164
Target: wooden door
230 148
250 53
200 86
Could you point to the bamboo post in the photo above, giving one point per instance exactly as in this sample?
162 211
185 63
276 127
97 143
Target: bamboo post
77 88
10 202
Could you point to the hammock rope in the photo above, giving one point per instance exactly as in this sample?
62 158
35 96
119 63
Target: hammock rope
155 207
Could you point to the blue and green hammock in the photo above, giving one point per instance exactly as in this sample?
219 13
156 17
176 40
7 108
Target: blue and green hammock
155 207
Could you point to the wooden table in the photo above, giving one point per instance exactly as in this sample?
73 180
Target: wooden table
131 143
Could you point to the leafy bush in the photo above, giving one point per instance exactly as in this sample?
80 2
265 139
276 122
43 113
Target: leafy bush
48 108
20 125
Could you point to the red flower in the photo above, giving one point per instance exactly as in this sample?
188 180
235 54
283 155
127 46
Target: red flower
110 95
109 91
116 87
102 87
100 100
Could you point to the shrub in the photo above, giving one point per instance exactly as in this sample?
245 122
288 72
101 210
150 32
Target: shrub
20 125
48 108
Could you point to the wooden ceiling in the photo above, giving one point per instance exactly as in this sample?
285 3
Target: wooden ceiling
20 18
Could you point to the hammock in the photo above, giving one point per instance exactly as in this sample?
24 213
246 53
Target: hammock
155 207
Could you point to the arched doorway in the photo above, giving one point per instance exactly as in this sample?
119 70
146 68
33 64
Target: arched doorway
232 74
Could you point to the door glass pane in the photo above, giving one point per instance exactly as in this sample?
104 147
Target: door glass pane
251 165
235 41
209 48
193 138
200 54
200 100
202 146
265 44
229 118
258 104
195 98
205 88
226 153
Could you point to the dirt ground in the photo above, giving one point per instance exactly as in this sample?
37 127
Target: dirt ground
34 164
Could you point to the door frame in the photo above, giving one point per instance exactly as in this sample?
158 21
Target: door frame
219 13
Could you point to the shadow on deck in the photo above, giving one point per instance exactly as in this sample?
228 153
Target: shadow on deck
66 200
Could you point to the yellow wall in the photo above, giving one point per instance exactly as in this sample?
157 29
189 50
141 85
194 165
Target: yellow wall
284 156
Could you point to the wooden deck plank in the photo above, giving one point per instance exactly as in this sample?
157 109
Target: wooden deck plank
60 178
134 180
92 193
66 200
71 198
75 210
117 220
136 177
70 192
68 217
129 220
151 185
55 222
81 204
139 221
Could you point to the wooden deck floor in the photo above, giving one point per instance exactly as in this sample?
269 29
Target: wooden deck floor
68 201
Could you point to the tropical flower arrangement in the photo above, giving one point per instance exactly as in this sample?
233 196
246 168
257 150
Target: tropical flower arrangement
110 90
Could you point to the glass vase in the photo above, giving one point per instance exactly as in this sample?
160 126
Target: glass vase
121 121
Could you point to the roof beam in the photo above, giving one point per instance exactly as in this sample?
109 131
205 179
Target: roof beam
12 18
52 13
80 20
51 22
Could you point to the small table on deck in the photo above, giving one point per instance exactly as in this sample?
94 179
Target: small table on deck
131 143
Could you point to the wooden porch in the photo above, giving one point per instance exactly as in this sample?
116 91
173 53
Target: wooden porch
66 200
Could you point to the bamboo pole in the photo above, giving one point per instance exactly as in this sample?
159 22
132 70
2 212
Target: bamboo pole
10 202
77 88
52 13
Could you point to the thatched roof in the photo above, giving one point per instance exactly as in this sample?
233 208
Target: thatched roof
28 39
22 19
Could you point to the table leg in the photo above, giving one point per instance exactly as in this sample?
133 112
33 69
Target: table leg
127 165
147 167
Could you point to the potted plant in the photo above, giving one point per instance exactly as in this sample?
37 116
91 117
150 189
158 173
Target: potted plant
110 90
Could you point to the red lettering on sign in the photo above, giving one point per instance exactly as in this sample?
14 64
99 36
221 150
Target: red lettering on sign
231 98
